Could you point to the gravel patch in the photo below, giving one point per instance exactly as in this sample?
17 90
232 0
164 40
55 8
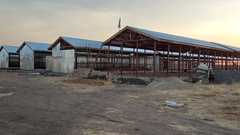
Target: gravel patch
226 77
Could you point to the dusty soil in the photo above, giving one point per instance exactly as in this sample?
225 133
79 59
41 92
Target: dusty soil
40 105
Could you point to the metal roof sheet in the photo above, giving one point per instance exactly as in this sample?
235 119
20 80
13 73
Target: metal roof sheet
228 46
38 46
10 49
77 42
178 38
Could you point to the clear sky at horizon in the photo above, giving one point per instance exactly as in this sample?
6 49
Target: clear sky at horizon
45 20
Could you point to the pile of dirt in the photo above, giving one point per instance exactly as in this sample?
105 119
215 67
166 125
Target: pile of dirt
171 83
83 73
226 77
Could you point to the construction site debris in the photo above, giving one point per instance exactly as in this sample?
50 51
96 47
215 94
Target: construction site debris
226 77
29 74
136 81
173 104
83 73
171 83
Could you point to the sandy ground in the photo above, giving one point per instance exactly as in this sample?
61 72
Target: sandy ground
40 105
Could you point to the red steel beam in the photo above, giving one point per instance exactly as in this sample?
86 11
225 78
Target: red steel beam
222 60
137 60
190 60
199 52
179 60
237 60
182 62
233 61
108 58
226 66
168 59
215 59
144 61
121 58
133 58
154 59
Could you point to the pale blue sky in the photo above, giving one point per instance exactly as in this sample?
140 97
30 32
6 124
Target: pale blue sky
46 20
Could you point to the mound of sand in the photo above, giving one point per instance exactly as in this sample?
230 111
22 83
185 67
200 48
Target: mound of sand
83 73
171 83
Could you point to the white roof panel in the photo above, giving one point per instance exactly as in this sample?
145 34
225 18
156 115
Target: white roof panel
38 46
10 49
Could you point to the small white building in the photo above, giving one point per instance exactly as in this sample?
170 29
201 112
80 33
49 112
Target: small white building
9 58
33 55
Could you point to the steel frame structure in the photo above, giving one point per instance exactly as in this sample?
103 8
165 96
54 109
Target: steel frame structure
187 53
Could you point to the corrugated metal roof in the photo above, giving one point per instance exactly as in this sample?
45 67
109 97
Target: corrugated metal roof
178 38
38 46
10 49
77 42
228 46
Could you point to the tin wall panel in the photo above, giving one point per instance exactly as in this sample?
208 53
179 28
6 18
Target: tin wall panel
4 58
49 63
26 58
62 60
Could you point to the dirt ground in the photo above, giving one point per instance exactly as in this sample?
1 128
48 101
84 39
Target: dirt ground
40 105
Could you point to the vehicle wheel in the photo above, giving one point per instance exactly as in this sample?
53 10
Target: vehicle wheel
191 80
205 81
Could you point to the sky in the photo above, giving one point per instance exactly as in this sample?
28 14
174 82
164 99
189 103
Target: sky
45 20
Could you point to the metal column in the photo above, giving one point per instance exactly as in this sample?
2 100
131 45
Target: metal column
226 66
137 60
190 60
154 58
108 58
168 59
237 60
121 58
199 52
179 60
144 63
76 59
